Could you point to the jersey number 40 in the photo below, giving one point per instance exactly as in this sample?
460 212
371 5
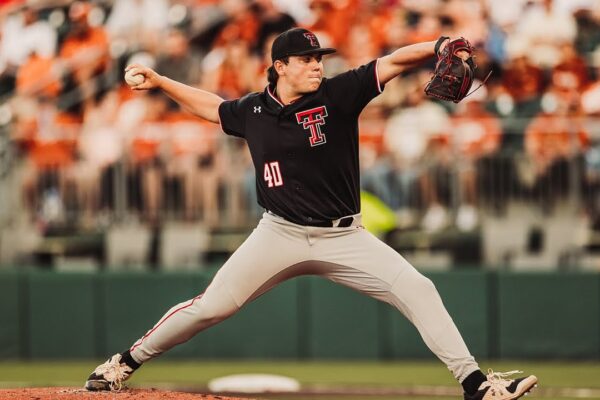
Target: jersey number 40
272 174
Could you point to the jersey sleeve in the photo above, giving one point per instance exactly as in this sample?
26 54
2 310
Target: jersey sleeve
232 116
354 89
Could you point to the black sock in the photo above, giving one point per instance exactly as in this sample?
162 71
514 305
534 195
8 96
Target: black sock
127 359
473 381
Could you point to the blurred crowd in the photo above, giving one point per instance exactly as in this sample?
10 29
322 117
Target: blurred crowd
85 145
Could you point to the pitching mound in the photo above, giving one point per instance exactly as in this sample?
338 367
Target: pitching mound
82 394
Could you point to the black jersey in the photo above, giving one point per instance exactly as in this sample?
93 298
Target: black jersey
306 153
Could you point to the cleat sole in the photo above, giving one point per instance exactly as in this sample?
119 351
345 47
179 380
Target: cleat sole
96 386
528 390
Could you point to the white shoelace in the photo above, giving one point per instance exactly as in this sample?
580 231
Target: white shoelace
499 378
114 372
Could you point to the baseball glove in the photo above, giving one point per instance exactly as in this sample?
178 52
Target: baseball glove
453 74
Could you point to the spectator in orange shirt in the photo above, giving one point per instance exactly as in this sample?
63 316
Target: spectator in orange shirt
332 21
523 80
518 99
416 140
22 33
242 25
360 47
100 147
555 141
192 162
85 49
475 135
39 76
49 138
147 163
572 69
226 70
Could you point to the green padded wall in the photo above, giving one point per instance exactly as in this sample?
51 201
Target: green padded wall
465 295
61 315
342 322
266 328
10 315
48 315
131 303
549 315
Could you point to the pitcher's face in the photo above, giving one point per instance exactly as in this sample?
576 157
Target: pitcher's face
303 73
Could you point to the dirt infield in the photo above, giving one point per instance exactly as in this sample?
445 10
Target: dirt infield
82 394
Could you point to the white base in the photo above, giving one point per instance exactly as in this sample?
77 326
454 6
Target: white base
253 383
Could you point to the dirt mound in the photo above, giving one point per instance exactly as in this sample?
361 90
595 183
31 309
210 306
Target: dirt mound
56 393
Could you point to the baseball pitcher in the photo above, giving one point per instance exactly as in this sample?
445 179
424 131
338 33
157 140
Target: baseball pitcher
302 132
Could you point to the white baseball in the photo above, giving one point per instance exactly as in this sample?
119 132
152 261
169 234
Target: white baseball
133 78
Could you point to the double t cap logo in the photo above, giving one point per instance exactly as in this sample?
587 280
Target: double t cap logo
312 38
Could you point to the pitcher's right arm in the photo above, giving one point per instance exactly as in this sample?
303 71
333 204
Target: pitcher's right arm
197 101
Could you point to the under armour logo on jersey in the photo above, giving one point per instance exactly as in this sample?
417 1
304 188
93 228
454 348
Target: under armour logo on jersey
312 38
257 110
312 120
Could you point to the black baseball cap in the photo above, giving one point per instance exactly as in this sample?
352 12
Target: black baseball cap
297 42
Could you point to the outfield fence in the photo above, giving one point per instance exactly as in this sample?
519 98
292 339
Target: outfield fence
501 315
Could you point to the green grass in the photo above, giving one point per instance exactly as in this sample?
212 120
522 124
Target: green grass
347 374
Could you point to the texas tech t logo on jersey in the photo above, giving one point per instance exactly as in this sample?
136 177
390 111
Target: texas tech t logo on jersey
312 120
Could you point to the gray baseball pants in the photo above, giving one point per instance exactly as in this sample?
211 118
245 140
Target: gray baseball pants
278 250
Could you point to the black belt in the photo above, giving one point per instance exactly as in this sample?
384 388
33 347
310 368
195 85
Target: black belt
337 223
341 223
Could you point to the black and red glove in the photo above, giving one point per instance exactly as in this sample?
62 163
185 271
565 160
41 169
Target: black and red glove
454 70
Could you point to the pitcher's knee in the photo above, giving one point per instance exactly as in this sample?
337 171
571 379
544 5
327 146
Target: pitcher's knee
426 284
209 311
416 284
